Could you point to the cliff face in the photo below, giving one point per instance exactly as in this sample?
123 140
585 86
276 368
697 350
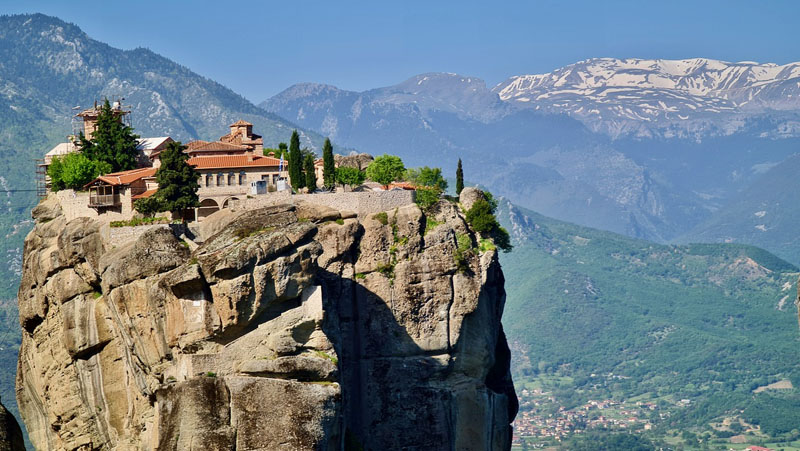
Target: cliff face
286 328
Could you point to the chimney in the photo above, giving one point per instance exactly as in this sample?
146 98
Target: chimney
249 154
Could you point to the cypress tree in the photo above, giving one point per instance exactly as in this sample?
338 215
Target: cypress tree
296 162
310 174
329 166
459 178
177 181
112 141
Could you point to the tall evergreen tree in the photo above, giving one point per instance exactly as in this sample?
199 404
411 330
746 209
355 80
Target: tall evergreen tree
112 141
329 166
459 178
177 180
310 173
296 162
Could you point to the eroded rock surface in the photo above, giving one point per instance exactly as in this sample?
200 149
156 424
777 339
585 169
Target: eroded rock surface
287 327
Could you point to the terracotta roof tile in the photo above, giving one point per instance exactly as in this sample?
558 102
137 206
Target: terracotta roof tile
215 146
125 177
147 193
241 122
233 161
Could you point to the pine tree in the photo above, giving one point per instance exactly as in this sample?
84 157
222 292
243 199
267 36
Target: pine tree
296 163
329 166
177 180
112 141
310 173
459 178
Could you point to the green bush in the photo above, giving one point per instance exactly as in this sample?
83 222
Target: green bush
426 197
74 171
482 219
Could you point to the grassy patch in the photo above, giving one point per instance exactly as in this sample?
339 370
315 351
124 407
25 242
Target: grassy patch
211 374
381 217
325 355
97 294
486 244
247 232
463 252
361 275
140 222
430 224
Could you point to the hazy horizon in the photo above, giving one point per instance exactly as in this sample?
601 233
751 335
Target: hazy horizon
361 45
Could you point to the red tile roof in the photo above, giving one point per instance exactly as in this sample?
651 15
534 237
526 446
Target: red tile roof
214 146
240 122
125 177
233 161
147 193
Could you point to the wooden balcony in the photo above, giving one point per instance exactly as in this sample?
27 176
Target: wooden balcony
104 200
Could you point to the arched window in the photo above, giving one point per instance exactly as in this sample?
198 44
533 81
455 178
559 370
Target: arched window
242 178
209 180
220 179
231 179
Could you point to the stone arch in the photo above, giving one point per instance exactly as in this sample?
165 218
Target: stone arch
207 207
229 202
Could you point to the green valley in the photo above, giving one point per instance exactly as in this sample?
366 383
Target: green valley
677 337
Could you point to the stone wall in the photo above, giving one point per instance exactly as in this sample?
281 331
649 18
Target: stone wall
362 203
75 204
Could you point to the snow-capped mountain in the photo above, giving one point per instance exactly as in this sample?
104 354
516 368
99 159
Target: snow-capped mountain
692 97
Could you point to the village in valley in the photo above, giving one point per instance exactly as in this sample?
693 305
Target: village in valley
106 172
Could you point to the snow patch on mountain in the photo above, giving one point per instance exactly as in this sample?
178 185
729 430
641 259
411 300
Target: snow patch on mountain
661 97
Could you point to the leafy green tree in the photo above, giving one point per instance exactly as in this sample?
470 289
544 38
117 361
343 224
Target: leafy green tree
482 219
74 170
310 174
349 176
459 178
296 162
425 176
328 164
177 182
149 206
112 141
385 169
426 197
282 150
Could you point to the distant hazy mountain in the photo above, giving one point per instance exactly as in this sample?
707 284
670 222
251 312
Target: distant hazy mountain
50 66
690 98
537 140
765 214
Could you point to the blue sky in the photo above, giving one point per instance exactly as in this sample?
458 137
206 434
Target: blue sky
260 48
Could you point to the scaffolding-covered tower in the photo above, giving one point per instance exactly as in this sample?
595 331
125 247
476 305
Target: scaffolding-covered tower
82 122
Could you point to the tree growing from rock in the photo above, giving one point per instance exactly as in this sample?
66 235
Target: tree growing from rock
459 178
347 176
296 162
328 165
310 173
386 169
112 141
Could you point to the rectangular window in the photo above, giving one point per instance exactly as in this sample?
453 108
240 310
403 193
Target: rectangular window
231 179
208 180
242 178
220 179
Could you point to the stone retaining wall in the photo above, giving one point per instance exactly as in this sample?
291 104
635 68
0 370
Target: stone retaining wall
362 203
